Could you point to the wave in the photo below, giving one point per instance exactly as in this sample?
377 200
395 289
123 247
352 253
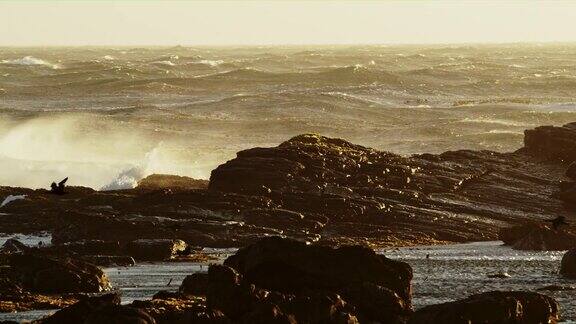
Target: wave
30 61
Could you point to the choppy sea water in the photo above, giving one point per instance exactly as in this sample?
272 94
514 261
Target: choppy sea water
449 273
106 116
454 272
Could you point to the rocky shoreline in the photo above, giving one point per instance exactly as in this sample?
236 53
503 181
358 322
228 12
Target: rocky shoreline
320 193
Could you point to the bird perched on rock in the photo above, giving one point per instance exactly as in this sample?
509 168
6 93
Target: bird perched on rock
58 189
558 221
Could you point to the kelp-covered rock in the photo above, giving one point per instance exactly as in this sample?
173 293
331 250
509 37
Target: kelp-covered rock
492 307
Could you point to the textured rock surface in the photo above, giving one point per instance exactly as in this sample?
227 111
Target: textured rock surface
538 237
326 190
491 307
568 265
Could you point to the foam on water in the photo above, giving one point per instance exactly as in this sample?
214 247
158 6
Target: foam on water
29 61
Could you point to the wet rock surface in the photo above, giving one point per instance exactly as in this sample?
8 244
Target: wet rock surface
320 189
568 265
492 307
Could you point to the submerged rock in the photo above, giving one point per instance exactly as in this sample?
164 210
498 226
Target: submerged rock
491 307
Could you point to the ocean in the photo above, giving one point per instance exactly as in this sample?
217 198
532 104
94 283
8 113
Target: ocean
106 117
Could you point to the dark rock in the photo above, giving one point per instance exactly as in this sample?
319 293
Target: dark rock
110 260
376 303
195 284
552 142
205 317
568 265
317 307
119 314
155 250
264 313
93 247
571 171
170 307
538 237
46 274
230 294
289 266
14 246
165 294
491 307
79 312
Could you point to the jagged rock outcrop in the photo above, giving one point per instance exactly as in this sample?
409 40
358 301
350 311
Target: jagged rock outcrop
568 265
538 237
492 307
324 190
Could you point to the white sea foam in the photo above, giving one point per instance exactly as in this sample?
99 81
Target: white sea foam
29 61
210 62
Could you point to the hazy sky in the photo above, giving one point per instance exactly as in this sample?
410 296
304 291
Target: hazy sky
283 22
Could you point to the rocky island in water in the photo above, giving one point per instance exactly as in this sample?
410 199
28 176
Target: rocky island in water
314 230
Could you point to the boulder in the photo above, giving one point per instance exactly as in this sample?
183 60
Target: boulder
79 312
155 250
538 237
290 266
195 284
47 274
378 288
228 292
491 307
568 265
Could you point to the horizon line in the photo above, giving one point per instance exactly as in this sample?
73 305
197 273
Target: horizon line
558 42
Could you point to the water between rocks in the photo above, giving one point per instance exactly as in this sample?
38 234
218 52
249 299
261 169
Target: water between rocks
441 274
